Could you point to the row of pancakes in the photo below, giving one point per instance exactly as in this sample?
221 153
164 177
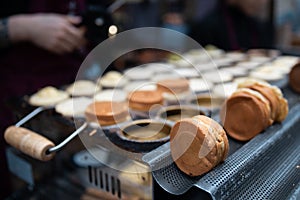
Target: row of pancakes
209 80
85 89
263 104
107 105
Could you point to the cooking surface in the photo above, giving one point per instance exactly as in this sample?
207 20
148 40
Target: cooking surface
267 166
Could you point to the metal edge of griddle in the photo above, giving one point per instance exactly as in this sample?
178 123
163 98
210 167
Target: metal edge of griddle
235 172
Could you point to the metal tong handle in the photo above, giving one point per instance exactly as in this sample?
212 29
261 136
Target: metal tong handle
31 115
67 140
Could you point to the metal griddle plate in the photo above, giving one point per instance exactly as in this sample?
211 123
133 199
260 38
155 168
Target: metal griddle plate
266 167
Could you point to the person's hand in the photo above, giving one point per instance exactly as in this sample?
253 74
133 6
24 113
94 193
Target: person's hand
53 32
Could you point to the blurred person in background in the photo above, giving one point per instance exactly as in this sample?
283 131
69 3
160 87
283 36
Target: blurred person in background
42 43
287 21
236 25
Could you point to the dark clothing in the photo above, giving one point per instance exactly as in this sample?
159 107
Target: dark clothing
11 7
229 29
25 68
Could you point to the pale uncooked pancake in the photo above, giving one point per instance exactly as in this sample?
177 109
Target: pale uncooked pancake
181 63
217 76
176 97
83 88
74 107
160 68
196 56
248 64
223 61
224 90
140 85
138 73
289 61
236 56
236 71
268 53
111 95
170 75
260 59
200 85
285 63
187 72
215 53
266 74
48 96
282 69
205 66
112 79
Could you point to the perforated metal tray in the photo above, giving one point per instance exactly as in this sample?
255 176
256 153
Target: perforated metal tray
267 167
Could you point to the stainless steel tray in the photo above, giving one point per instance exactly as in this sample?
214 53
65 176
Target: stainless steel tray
266 167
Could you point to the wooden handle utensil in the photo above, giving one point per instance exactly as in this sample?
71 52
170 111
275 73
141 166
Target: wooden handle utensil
29 142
